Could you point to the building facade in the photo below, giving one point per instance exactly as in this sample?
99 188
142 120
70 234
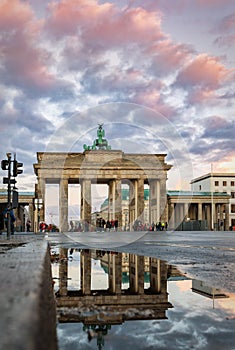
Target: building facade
218 183
186 210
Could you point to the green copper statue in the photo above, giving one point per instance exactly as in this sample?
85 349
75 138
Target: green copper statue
100 142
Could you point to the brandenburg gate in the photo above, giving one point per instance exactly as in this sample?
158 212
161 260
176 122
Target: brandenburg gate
99 164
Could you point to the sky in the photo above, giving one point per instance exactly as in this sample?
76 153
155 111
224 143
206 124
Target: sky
158 74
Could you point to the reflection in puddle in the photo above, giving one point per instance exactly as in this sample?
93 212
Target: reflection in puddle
108 300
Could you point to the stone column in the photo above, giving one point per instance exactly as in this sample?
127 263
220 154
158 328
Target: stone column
31 213
171 216
136 273
154 201
181 212
209 216
41 191
152 217
118 202
158 195
63 272
63 204
31 216
86 203
214 219
115 273
226 217
115 201
132 203
140 199
111 209
155 275
85 263
199 207
185 210
163 201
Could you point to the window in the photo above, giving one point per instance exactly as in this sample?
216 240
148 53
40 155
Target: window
216 183
224 183
200 187
232 194
233 208
232 183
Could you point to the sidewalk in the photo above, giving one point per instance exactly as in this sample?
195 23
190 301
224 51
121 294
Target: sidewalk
27 308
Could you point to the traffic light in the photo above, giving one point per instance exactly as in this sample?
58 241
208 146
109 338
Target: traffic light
4 164
16 166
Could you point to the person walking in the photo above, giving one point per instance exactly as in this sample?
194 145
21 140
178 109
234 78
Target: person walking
28 225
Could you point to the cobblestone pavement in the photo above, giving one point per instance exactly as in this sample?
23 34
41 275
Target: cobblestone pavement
205 255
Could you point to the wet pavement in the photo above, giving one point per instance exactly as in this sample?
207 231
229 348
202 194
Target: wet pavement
110 300
206 255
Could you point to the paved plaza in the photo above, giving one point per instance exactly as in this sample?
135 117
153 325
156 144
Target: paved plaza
206 255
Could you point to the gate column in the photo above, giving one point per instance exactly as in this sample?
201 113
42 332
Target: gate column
111 207
63 203
118 202
40 191
163 201
86 202
140 199
115 201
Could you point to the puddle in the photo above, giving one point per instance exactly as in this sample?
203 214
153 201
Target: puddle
108 300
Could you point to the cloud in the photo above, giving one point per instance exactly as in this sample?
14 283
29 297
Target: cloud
225 41
218 127
211 139
203 77
103 24
24 63
227 23
203 71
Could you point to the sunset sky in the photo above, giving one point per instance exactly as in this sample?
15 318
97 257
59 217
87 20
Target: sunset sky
159 74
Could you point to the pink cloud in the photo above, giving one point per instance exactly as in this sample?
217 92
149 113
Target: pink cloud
23 62
199 96
103 24
152 98
227 40
205 71
216 122
227 164
228 23
67 15
167 56
14 14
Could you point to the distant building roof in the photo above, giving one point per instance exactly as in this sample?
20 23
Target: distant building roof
125 196
30 194
195 193
209 175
